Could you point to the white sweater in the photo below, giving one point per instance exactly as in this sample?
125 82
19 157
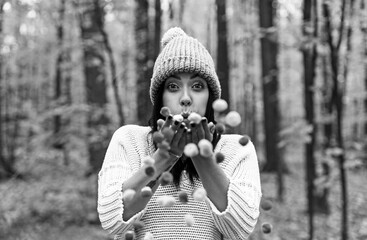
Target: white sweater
130 144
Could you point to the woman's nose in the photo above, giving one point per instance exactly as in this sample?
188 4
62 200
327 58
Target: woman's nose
185 99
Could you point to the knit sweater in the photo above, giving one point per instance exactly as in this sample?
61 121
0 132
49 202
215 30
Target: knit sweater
130 144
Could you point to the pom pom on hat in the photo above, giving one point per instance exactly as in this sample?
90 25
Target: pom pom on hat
171 34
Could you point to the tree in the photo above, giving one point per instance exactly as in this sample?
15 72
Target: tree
363 27
222 49
337 95
58 143
309 30
143 62
100 24
269 52
95 81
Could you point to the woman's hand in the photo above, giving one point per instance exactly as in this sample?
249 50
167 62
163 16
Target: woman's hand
174 133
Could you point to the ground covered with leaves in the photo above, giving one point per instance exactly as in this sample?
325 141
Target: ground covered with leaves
58 202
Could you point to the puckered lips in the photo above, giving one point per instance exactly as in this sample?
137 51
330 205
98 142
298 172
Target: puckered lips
185 112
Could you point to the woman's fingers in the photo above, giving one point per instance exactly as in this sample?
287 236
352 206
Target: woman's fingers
177 137
194 132
168 121
206 128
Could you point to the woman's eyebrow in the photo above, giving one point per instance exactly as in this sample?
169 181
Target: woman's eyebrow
194 75
175 76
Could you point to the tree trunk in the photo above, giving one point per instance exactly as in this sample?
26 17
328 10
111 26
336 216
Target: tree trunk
309 61
269 52
58 143
363 27
337 102
143 63
108 48
222 49
157 29
95 83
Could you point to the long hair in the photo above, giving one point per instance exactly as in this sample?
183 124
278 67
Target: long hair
183 163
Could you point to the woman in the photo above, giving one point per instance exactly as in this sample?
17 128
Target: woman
185 81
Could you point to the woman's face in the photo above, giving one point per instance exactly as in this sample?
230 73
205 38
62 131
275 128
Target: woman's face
185 93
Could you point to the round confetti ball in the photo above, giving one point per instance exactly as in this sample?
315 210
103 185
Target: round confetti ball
189 220
244 140
160 123
220 105
206 148
168 133
149 170
165 112
266 228
266 205
129 235
219 157
220 128
148 236
194 117
129 194
164 145
233 119
191 150
178 117
158 137
199 194
148 161
146 192
166 178
166 201
183 197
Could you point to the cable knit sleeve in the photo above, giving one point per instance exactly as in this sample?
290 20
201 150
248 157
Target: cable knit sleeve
244 193
116 168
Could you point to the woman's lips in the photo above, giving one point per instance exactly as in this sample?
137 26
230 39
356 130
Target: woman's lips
185 114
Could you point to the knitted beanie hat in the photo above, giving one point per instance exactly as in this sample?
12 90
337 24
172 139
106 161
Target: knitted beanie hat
182 53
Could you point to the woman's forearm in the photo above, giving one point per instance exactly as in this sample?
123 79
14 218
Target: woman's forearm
139 180
214 181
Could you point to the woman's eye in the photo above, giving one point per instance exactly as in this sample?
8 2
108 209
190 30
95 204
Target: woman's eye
198 86
172 87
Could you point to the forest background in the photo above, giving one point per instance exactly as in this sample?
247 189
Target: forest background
73 71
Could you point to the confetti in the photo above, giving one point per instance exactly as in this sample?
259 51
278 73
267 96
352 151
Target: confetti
194 117
148 236
206 148
168 133
149 170
158 137
199 194
146 192
220 128
183 197
244 140
164 145
266 205
220 105
178 117
191 150
165 112
266 227
128 194
129 235
166 201
148 161
189 220
160 123
233 119
166 178
219 157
